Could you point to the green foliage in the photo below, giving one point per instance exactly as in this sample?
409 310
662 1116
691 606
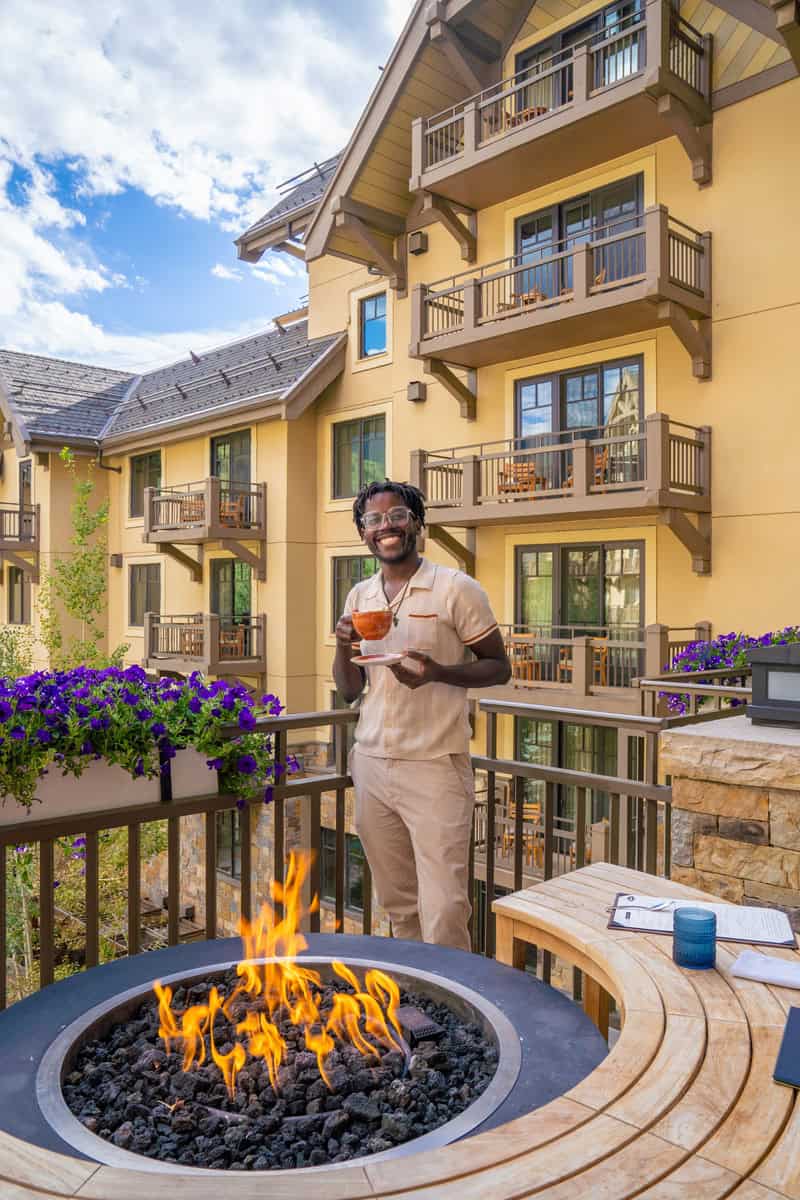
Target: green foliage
75 585
16 651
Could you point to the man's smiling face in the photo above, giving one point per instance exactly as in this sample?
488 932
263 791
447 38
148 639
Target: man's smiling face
390 543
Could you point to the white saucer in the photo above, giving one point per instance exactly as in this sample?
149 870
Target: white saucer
378 660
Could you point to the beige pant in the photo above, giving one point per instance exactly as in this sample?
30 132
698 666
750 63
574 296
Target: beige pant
414 819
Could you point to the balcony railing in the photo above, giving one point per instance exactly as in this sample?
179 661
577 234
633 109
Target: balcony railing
205 642
625 263
209 510
631 464
646 54
19 526
535 818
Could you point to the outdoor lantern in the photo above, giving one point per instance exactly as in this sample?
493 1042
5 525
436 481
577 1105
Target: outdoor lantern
776 685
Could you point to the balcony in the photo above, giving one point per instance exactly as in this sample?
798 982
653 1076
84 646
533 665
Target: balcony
632 276
210 511
644 80
637 467
206 643
19 535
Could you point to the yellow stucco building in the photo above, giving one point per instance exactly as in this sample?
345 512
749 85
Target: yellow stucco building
554 278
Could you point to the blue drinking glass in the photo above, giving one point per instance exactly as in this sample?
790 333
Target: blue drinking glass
694 939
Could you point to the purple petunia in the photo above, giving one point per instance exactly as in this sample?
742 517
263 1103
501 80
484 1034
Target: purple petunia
17 733
195 705
246 720
144 714
6 710
44 736
246 764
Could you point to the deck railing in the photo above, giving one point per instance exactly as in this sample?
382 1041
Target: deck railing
570 79
19 524
653 454
204 638
213 505
569 272
534 819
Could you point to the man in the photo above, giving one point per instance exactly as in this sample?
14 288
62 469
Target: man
410 764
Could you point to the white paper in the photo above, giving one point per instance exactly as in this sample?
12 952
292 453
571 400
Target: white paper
654 914
752 965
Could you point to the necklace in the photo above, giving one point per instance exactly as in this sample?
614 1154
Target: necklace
396 604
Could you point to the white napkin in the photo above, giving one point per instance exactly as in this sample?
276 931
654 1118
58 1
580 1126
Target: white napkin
751 965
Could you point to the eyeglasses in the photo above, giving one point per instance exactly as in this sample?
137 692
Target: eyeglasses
395 516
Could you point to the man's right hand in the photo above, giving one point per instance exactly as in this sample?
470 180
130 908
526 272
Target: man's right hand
345 633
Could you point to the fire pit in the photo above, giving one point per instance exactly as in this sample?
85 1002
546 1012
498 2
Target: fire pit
297 1054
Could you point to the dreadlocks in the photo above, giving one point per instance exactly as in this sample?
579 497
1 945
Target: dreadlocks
411 496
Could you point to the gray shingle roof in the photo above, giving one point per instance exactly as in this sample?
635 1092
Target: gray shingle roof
77 402
59 398
267 364
310 189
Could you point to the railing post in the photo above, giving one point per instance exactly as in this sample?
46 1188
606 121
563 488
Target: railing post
657 451
702 631
472 304
656 650
705 460
417 152
656 247
471 484
581 83
417 315
582 277
705 265
659 32
582 659
149 493
211 499
472 127
261 521
418 460
581 478
149 623
211 654
706 73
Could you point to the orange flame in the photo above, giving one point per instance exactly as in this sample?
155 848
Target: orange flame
367 1019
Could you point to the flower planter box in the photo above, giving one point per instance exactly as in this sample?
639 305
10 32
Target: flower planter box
103 786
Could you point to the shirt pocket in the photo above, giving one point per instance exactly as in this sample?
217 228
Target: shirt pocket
423 631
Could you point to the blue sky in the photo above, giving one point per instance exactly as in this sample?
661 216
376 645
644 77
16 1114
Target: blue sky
135 146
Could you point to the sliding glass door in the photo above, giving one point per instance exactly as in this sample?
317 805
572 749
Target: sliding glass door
574 591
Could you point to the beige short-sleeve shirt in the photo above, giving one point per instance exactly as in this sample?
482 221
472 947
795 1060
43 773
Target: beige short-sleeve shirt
443 611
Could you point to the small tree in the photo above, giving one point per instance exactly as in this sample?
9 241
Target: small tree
16 651
75 586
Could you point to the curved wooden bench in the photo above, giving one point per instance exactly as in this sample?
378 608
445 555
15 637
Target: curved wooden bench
683 1108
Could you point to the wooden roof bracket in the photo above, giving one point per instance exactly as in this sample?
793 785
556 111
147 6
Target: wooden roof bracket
28 566
465 393
696 140
696 339
292 248
787 20
464 233
193 565
696 539
471 70
257 561
375 247
464 555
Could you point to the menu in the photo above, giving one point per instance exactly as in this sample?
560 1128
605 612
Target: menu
735 923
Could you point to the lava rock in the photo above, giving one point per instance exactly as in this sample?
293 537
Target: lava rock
359 1105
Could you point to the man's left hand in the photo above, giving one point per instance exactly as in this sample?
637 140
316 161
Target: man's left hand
427 672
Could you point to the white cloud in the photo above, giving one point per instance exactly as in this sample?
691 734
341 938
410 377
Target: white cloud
396 15
220 271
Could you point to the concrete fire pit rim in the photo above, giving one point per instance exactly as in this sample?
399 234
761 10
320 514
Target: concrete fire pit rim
54 1108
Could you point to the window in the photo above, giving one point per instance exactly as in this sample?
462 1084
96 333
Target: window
589 748
359 454
574 591
231 590
347 572
372 326
604 398
19 597
229 844
145 591
230 457
145 472
354 859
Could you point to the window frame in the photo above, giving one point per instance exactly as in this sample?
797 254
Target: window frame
132 569
230 816
19 585
336 601
146 483
556 211
220 440
360 421
558 385
557 549
365 355
328 844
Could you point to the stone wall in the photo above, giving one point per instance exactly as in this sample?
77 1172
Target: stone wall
736 811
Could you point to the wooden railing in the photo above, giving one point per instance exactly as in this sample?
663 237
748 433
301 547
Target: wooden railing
212 506
656 454
570 79
534 819
569 273
205 638
704 695
19 524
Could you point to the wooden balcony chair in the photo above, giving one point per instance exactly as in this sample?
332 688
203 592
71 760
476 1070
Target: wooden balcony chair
532 841
599 280
600 469
566 664
192 641
523 115
525 666
231 510
193 510
231 642
520 477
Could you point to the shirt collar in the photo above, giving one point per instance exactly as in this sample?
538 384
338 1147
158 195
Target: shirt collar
422 579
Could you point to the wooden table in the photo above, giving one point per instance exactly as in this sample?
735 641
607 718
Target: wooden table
683 1108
